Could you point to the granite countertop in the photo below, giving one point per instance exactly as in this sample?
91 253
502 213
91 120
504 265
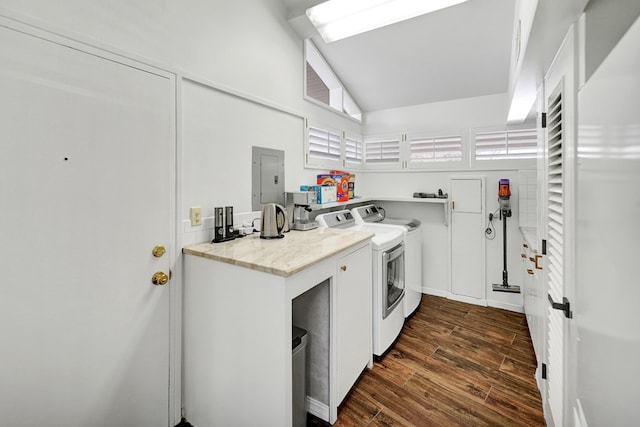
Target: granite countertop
283 257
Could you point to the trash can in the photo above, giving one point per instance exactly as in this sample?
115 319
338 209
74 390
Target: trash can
299 376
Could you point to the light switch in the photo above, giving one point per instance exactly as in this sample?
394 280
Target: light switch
195 213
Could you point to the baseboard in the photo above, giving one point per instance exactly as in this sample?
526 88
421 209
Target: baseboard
579 420
505 306
434 292
317 408
468 300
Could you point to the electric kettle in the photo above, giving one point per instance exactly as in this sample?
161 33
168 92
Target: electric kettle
273 221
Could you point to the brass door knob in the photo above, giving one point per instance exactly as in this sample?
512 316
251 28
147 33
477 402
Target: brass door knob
160 278
343 268
158 251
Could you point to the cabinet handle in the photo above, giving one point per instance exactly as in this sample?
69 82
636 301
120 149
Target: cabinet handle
524 245
529 271
539 267
343 268
453 205
523 255
532 259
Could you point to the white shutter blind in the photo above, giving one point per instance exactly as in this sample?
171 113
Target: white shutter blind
323 144
353 150
513 144
555 243
382 150
436 149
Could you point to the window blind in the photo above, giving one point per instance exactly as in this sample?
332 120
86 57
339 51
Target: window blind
382 150
436 149
353 149
512 144
323 144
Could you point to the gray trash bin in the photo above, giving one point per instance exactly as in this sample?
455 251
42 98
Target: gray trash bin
299 376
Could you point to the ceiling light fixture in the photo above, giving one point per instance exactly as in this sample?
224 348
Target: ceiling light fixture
338 19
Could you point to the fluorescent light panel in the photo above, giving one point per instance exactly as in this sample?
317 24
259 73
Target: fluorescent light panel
338 19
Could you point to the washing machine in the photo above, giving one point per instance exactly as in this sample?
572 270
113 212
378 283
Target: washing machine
388 263
371 214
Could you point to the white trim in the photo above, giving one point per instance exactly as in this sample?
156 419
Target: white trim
317 408
468 300
505 306
434 292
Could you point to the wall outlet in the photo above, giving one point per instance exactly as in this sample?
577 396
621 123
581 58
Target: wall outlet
195 213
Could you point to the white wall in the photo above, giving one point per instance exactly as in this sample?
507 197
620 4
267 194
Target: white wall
245 46
221 44
435 234
482 111
490 110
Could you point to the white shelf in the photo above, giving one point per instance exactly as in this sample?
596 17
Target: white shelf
358 200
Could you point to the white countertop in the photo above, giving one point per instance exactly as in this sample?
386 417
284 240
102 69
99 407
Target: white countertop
283 257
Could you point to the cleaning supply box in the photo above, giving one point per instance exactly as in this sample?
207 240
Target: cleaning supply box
325 193
340 180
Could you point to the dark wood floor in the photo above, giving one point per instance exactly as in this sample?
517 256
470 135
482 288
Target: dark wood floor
453 364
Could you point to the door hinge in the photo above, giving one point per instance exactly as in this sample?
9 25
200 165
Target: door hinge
543 120
544 371
565 306
544 246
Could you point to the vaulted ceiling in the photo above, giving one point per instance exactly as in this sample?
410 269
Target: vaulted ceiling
460 52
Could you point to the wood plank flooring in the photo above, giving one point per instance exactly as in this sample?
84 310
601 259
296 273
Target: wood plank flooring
453 364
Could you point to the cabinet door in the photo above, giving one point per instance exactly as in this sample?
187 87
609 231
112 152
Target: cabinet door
353 318
466 195
467 239
466 260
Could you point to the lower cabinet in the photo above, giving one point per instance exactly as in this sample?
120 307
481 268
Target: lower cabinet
533 296
353 318
237 349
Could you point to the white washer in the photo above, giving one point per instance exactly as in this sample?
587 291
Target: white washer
370 214
388 275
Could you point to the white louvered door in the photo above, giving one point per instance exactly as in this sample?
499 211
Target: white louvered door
559 211
555 245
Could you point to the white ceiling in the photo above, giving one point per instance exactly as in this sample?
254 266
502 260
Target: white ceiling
459 52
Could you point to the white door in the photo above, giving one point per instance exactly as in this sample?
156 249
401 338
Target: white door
86 190
559 209
467 240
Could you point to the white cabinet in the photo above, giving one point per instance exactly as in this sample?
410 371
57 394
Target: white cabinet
533 296
238 318
353 318
467 240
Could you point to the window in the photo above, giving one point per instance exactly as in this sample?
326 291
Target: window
323 86
353 150
504 145
382 150
435 149
324 146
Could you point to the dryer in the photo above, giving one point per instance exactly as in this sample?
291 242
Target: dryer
371 214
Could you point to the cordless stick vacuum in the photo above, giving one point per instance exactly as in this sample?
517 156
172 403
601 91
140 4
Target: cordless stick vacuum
504 194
